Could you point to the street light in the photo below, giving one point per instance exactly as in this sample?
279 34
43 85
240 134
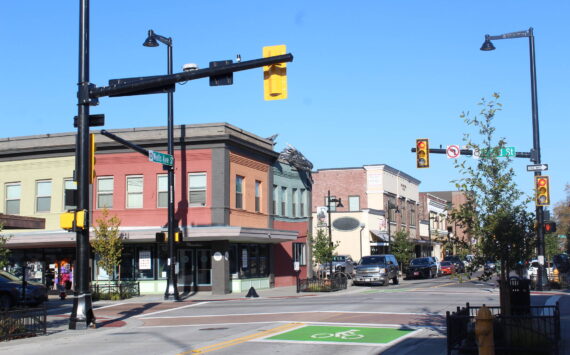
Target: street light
535 154
390 207
362 226
338 204
435 219
171 285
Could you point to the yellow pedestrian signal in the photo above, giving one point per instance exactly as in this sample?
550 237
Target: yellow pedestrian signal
542 186
275 75
72 220
162 237
91 158
422 153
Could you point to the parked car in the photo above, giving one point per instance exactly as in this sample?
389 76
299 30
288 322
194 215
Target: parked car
532 270
341 263
11 291
490 266
422 267
447 268
459 265
377 269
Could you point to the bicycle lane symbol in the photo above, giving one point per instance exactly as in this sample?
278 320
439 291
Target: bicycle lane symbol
346 335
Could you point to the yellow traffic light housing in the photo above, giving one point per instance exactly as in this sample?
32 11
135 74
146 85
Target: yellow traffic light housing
275 76
162 237
542 186
422 153
91 158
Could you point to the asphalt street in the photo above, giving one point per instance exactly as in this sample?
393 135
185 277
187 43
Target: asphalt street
408 318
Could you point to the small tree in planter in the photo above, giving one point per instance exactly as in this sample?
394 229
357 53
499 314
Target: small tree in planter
108 243
4 252
403 248
322 248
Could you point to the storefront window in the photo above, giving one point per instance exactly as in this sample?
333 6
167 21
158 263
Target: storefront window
127 261
250 260
144 269
162 262
204 266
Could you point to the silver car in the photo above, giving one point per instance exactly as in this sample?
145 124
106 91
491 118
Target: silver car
377 269
341 263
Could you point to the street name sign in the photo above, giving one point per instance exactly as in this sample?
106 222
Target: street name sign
162 158
501 153
537 167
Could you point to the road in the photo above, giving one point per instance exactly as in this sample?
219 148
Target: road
408 318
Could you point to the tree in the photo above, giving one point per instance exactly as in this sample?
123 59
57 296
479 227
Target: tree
4 252
108 242
562 217
495 210
403 248
322 248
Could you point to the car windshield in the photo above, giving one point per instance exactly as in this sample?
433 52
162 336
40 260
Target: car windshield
9 276
445 263
339 258
372 260
420 261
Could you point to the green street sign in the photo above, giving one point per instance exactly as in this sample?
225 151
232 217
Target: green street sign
496 152
157 157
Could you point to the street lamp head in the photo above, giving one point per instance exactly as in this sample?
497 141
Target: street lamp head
150 40
487 45
339 203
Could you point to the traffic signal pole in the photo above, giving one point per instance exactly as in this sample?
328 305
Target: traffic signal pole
82 311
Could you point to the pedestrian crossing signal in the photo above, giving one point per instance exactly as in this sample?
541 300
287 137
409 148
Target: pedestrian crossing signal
274 75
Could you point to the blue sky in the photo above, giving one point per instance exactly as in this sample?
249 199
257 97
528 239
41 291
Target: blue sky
368 78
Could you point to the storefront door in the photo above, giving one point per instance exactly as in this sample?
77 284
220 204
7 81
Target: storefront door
186 270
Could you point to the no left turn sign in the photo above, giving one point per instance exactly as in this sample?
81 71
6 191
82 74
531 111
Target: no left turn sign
453 151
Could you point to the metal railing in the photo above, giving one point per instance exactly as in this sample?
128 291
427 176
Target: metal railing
322 285
552 281
125 289
536 329
23 323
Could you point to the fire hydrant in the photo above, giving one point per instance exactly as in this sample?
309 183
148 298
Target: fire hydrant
484 331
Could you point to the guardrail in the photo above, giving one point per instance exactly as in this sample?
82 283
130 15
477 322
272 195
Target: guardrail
322 285
23 323
534 329
125 289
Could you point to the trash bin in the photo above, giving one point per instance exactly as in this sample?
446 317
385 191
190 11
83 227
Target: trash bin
520 295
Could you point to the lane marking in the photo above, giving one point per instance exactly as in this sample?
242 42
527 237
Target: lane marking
294 312
240 340
172 309
110 305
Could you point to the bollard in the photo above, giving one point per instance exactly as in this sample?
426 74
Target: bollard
484 331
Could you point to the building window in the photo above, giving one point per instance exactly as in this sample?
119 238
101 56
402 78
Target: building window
332 205
250 260
299 253
354 203
105 187
412 216
257 196
13 194
197 185
162 191
302 198
239 191
275 197
283 201
69 184
134 191
43 196
294 204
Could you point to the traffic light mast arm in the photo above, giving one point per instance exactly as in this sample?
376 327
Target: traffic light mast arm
470 152
122 88
133 146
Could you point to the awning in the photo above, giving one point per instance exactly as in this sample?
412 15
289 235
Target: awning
147 234
21 222
379 235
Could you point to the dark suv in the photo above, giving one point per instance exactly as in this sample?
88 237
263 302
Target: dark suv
377 269
422 267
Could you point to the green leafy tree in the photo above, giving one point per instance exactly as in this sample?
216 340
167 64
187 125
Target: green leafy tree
323 250
551 245
4 251
562 217
108 242
403 248
496 210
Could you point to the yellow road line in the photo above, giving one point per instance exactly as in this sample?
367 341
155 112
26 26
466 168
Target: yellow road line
240 340
447 284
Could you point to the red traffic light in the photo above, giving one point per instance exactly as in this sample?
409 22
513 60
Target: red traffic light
549 227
